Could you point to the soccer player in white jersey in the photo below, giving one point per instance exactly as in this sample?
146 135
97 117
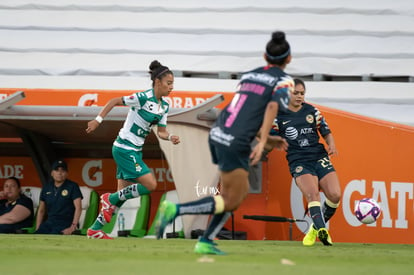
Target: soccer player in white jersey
147 108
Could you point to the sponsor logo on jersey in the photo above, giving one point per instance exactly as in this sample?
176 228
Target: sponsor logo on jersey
153 108
291 133
219 136
260 77
150 106
303 142
305 131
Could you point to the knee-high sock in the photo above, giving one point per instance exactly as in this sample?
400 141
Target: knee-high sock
316 214
329 209
216 224
99 222
207 205
129 192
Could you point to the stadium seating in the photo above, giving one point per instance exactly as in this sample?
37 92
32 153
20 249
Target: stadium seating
119 38
109 45
136 214
174 230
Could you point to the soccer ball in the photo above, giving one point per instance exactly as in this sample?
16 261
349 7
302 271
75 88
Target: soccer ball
367 210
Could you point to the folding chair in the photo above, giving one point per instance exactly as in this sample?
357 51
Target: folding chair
32 192
90 204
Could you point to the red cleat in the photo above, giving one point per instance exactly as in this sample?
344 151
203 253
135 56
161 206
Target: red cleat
97 234
107 208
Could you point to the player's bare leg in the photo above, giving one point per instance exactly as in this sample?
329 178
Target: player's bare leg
332 190
234 189
308 185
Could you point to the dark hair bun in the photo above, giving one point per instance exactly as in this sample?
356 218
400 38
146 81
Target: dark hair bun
154 66
278 37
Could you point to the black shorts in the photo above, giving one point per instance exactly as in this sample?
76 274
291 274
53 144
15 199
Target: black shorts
229 158
52 227
318 168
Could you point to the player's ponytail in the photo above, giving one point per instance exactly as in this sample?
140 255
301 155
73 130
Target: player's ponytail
157 70
277 49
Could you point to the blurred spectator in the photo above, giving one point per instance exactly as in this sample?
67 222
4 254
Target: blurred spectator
16 210
60 203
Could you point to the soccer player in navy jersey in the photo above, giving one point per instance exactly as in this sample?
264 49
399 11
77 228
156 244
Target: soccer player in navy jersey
260 94
309 163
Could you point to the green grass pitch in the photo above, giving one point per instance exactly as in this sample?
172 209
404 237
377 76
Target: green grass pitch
54 254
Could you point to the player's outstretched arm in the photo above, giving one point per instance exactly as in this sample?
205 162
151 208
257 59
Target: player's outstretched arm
93 124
